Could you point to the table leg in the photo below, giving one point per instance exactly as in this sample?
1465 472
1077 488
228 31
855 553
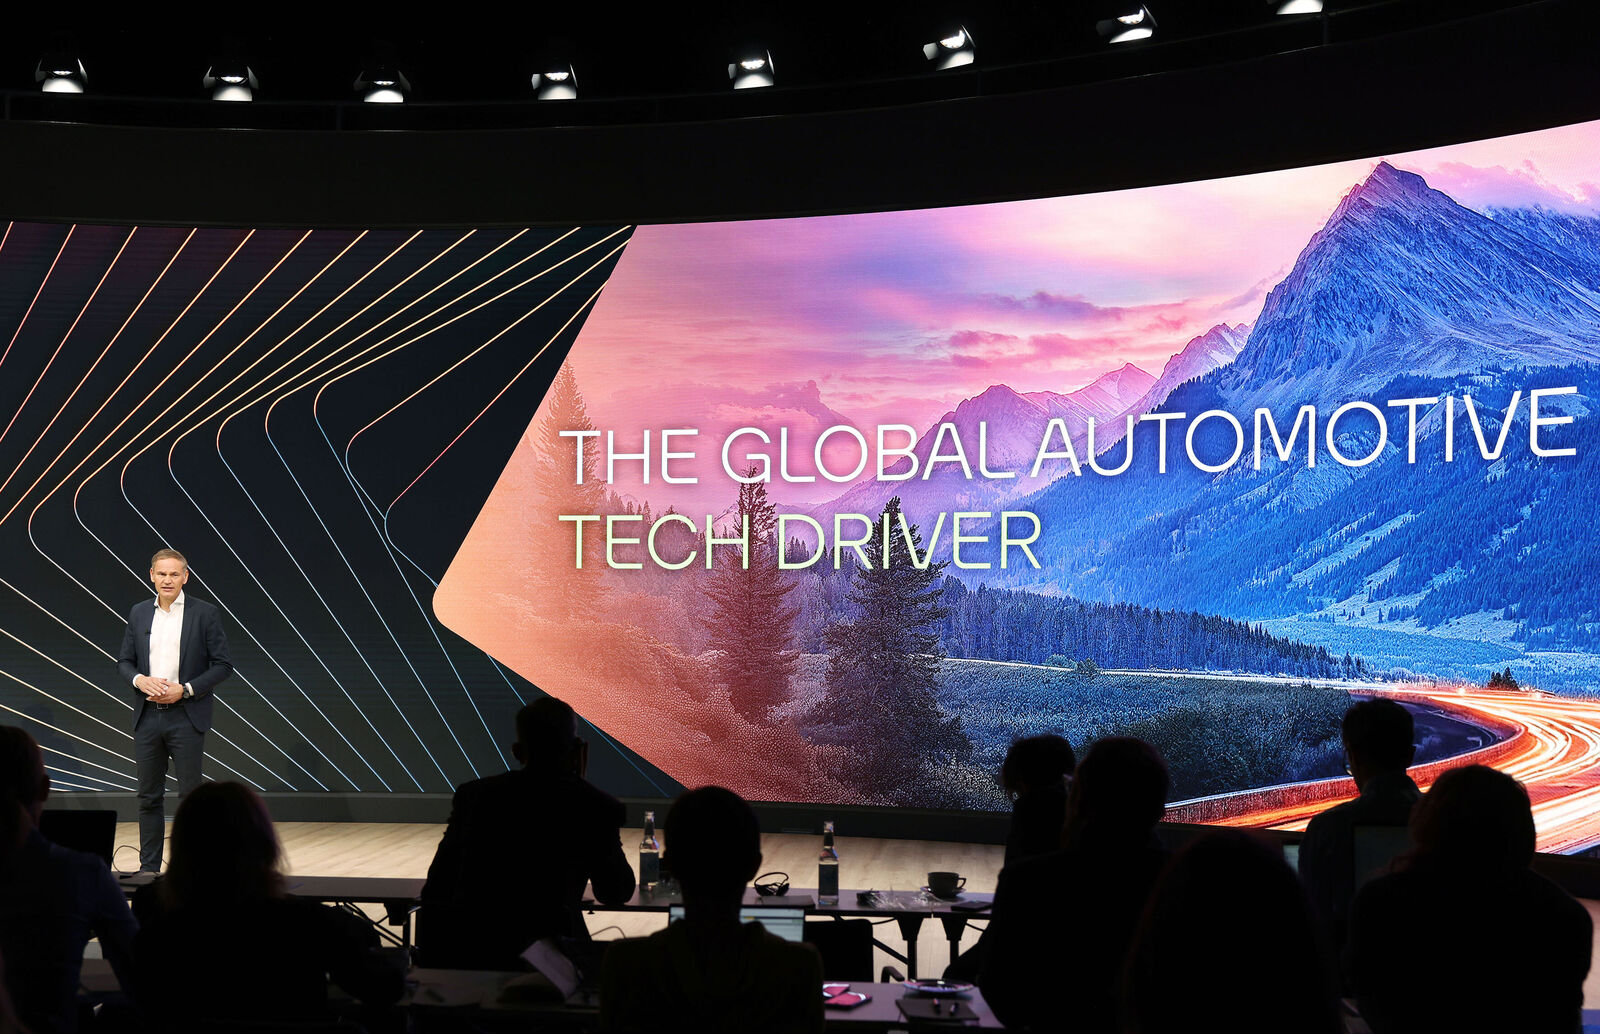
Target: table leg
955 925
910 926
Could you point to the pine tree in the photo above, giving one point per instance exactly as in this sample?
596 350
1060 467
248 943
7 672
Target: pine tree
750 623
883 667
564 589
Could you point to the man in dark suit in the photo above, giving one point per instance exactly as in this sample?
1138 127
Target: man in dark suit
174 652
518 850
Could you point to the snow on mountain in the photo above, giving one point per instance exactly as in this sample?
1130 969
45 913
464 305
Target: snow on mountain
1401 278
1212 350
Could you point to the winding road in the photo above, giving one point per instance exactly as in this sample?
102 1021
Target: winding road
1551 744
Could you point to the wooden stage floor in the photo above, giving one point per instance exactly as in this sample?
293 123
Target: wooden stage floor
405 849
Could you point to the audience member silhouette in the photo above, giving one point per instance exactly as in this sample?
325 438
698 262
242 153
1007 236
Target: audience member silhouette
1229 936
707 971
1378 744
1034 775
9 1024
1464 937
52 900
518 850
1063 921
220 941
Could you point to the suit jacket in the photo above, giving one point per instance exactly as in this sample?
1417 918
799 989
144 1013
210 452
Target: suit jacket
511 869
202 656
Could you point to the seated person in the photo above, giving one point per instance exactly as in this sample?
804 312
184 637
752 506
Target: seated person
221 941
52 900
1034 774
1062 922
707 972
1229 931
519 849
1464 937
1378 745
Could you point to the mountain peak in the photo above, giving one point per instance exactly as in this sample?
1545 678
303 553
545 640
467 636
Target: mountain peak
1387 187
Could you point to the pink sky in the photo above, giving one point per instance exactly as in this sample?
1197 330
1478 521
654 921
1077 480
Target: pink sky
898 316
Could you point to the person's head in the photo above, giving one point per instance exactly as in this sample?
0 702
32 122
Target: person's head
224 848
547 735
1036 763
1229 925
713 845
23 782
1474 818
1378 738
1118 790
169 571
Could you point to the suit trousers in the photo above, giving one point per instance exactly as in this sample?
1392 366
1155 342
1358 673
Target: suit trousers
162 734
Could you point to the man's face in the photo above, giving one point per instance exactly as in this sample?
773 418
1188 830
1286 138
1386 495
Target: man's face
169 576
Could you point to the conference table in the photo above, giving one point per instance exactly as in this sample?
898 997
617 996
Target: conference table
910 909
491 1000
400 896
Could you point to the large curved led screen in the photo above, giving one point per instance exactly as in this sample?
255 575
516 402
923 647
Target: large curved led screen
833 509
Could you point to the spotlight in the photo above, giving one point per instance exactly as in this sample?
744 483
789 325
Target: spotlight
1297 6
558 83
382 84
1126 28
231 81
60 72
952 49
752 69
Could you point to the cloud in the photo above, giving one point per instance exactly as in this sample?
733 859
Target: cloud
1523 185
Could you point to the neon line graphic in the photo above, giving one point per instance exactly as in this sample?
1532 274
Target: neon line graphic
542 348
265 520
54 783
114 338
449 369
24 322
63 343
389 545
53 728
91 764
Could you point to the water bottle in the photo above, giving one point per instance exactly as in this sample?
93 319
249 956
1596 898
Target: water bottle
649 855
828 869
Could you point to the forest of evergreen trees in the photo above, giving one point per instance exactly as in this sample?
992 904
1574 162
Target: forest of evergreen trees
1008 625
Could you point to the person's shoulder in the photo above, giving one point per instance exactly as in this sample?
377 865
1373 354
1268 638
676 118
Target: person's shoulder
200 607
1555 899
148 603
84 865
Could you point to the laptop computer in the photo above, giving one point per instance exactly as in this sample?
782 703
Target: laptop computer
788 923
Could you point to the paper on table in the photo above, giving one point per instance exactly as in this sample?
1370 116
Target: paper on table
549 959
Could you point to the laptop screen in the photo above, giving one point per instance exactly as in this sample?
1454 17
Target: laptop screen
788 923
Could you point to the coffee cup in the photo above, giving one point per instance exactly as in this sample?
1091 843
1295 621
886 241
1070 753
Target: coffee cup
946 884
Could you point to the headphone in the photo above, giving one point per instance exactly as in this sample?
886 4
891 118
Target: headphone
772 884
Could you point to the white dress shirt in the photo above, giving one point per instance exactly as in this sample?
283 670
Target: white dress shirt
166 640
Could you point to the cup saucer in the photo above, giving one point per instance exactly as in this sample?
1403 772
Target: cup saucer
954 897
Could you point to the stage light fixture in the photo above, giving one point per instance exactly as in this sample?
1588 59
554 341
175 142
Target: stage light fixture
60 73
1297 6
952 49
382 84
231 81
752 69
1126 28
558 83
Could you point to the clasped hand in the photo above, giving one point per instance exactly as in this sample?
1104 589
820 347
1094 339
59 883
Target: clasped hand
160 691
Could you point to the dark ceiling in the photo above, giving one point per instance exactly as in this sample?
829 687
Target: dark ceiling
664 52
